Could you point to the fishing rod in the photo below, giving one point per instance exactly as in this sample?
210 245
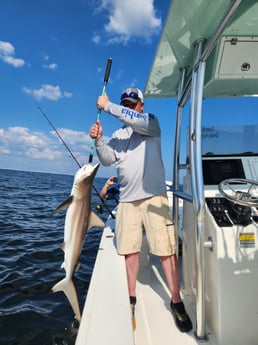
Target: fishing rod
106 77
72 155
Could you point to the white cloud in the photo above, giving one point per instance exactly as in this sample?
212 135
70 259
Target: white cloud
50 92
46 153
73 137
23 142
22 137
7 55
129 20
33 150
52 66
67 94
48 65
96 38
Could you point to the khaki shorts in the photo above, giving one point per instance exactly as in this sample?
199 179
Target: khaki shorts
153 216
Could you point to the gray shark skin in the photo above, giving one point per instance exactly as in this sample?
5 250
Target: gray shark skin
79 218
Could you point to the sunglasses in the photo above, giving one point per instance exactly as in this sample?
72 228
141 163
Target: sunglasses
133 95
129 104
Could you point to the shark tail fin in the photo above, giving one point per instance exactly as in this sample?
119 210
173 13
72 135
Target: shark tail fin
67 286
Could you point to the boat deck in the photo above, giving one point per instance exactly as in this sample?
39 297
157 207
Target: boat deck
108 296
106 317
154 321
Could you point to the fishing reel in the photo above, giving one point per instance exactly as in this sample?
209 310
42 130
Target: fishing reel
99 208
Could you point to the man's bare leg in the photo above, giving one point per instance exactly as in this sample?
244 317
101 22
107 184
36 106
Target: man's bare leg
132 262
170 268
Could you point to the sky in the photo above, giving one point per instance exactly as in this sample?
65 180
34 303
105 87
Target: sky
53 55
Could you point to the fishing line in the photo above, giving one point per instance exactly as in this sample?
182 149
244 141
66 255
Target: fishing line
106 77
57 133
72 155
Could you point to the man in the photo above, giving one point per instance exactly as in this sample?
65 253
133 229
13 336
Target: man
136 150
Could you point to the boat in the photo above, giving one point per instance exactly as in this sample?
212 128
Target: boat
208 49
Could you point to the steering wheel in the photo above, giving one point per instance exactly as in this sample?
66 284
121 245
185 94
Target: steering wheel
246 198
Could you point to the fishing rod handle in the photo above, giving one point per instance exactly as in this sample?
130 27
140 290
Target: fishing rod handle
108 68
106 77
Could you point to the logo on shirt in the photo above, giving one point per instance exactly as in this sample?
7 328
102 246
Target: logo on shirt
134 114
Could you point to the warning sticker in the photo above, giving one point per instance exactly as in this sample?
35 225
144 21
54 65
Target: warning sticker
247 240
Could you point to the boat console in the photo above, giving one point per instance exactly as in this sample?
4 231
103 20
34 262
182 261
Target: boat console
230 240
229 211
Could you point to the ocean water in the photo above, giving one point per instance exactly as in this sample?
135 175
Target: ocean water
31 256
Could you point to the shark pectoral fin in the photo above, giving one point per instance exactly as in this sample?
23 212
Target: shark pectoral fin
67 286
95 221
64 204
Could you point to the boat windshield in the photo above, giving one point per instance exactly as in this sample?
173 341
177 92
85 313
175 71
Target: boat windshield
230 140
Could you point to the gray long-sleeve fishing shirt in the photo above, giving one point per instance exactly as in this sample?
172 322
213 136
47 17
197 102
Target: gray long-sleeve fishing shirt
136 150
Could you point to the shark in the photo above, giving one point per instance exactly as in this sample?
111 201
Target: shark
79 218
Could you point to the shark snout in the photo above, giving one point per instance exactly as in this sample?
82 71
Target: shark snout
86 171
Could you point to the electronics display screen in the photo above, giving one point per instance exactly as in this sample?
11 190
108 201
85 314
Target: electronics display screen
217 170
